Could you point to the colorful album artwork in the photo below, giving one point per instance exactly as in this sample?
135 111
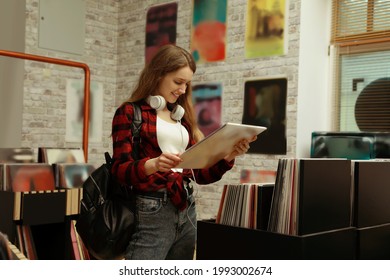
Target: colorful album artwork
265 105
207 103
252 176
160 28
60 155
208 40
22 177
17 155
72 175
265 28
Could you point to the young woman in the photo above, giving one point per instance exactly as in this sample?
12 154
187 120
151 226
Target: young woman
165 207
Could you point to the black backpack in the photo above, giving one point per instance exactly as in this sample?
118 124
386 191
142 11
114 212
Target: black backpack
106 220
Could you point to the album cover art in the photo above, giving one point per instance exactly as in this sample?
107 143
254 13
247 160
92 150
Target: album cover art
265 105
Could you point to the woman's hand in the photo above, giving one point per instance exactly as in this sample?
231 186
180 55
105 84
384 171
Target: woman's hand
163 163
240 148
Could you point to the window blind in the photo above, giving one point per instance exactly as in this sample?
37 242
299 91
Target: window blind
360 21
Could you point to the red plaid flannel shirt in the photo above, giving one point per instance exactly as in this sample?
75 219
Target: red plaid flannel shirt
132 172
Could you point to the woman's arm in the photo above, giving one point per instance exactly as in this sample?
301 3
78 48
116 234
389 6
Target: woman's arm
126 169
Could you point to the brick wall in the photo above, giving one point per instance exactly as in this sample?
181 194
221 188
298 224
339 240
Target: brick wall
114 51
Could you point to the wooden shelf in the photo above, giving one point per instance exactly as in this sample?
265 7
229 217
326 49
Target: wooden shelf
45 214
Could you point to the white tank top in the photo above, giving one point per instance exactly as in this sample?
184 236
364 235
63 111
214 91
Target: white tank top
172 138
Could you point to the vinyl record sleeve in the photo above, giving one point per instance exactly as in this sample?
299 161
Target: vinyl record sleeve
217 145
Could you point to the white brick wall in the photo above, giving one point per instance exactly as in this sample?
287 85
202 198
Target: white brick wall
114 51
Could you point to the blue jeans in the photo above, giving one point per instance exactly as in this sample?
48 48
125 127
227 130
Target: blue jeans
162 231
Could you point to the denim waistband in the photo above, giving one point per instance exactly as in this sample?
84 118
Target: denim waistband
162 193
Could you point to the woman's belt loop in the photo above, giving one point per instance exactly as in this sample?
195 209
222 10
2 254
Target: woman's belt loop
165 198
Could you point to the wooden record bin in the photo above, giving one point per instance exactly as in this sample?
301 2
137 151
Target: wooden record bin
45 214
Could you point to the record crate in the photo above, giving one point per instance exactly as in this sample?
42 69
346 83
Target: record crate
371 215
216 241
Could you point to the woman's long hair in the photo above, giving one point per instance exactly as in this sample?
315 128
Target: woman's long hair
169 58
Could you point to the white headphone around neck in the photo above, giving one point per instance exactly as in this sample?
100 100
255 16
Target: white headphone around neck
158 102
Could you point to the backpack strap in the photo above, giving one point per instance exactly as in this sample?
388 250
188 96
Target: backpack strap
108 158
136 128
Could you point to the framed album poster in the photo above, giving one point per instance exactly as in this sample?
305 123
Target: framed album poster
207 102
265 105
208 31
160 28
